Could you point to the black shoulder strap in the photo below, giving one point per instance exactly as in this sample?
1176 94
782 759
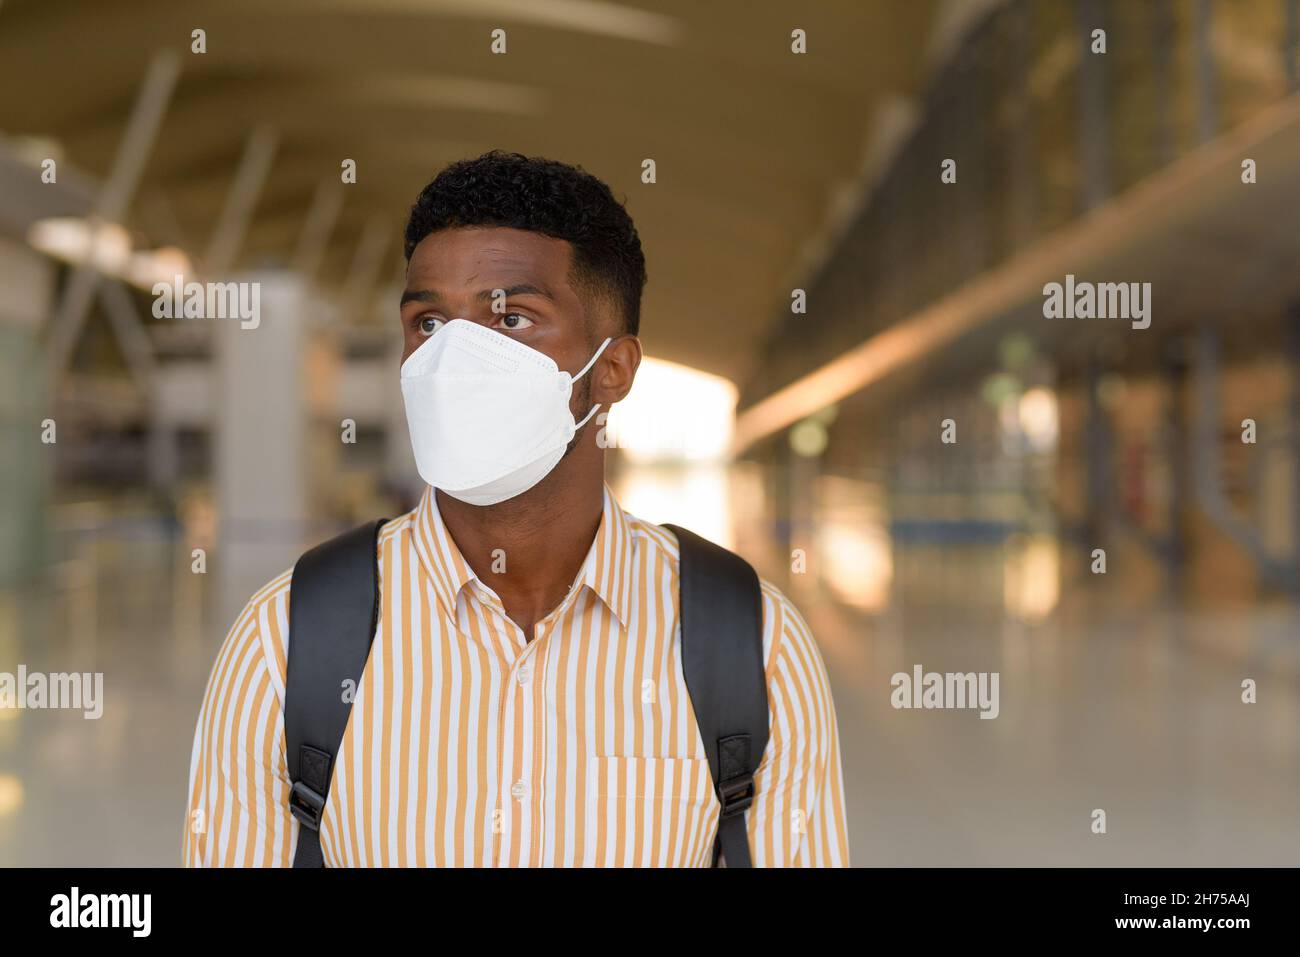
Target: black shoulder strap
333 613
722 659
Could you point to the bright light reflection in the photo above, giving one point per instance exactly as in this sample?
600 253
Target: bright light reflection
1037 412
11 794
76 240
694 497
857 564
673 413
854 555
1032 577
108 248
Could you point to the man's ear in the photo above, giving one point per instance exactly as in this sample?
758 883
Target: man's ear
615 370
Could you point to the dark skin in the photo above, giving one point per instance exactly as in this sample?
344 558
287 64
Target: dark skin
546 531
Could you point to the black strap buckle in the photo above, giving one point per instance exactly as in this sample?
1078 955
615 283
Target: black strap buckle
306 805
736 795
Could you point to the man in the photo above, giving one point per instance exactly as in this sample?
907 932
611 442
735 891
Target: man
523 703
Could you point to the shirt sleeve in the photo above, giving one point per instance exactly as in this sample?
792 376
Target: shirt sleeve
797 818
238 813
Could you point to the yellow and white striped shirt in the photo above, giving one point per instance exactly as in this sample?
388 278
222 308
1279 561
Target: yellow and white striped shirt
469 746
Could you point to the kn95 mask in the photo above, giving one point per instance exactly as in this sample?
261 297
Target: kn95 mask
489 416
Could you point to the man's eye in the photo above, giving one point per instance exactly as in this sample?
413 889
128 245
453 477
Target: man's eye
513 320
429 325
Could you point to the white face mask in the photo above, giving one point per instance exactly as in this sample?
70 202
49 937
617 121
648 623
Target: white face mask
489 416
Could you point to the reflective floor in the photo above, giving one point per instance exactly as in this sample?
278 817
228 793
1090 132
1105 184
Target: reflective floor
1131 707
1131 716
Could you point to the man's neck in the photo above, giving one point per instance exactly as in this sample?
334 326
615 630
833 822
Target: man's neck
528 549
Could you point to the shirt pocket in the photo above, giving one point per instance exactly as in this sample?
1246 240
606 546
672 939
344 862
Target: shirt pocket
653 812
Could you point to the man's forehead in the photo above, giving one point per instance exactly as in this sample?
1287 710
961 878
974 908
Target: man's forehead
459 256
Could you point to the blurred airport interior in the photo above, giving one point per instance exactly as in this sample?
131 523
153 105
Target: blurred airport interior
853 381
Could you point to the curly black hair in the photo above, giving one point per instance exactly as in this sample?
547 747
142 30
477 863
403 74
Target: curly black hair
547 197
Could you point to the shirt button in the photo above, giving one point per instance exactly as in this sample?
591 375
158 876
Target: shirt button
519 790
522 675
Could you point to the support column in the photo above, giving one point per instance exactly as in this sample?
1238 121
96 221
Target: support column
1094 131
1293 359
260 421
1207 106
1174 371
26 466
1289 51
1023 176
1096 459
1163 68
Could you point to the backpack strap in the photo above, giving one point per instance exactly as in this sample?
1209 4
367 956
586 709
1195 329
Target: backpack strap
333 613
722 660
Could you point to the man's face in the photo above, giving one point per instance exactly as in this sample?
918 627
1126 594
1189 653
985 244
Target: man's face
458 274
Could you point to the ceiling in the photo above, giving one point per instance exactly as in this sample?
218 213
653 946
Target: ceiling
752 143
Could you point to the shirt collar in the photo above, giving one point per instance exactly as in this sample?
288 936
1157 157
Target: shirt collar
607 569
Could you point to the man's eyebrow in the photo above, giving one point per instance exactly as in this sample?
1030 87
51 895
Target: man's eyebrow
518 289
420 295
